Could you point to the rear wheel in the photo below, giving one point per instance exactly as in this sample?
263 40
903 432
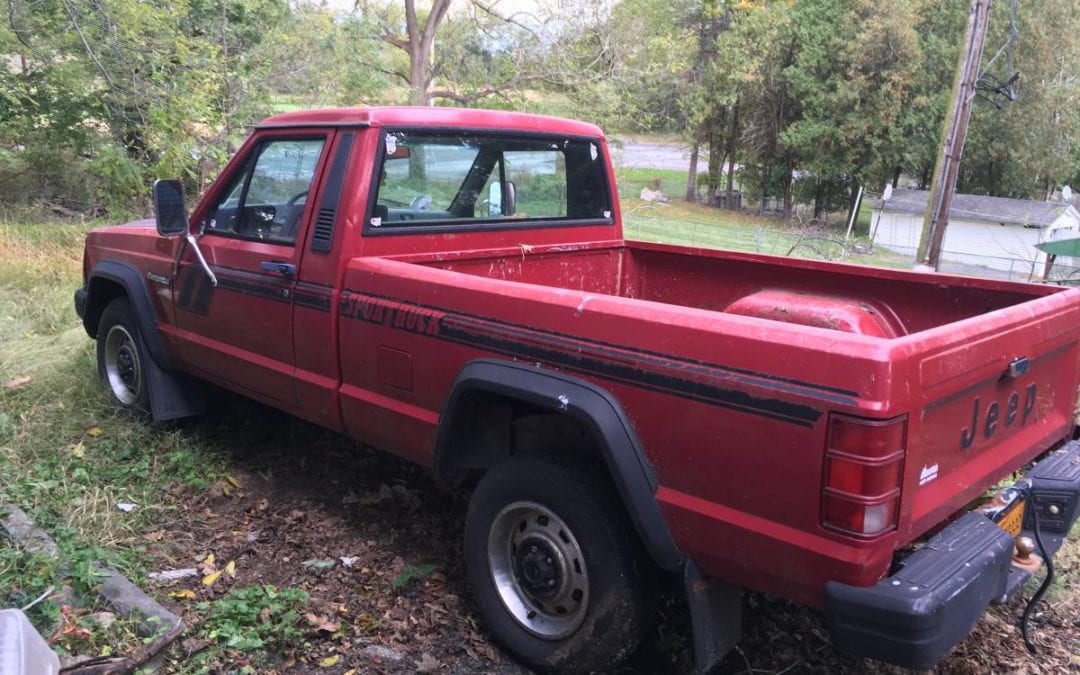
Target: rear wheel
122 357
556 568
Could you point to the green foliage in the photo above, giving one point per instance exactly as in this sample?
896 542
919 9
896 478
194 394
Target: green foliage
102 99
25 577
255 618
410 574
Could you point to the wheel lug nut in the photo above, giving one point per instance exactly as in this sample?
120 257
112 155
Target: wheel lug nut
548 560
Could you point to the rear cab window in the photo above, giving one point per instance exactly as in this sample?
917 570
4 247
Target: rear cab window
450 180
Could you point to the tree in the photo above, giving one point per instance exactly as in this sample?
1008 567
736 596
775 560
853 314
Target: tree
415 36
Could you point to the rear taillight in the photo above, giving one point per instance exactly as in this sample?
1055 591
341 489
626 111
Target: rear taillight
864 469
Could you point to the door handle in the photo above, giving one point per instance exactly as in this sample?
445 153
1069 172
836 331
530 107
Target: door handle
284 269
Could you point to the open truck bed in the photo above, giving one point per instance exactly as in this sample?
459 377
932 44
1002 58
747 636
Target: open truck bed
655 325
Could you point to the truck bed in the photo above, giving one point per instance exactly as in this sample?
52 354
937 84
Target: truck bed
718 281
661 328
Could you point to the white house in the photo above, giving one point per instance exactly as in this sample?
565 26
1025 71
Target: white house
993 232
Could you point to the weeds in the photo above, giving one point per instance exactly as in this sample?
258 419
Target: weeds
410 574
256 617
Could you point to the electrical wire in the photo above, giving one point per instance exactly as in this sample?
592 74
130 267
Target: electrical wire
1025 619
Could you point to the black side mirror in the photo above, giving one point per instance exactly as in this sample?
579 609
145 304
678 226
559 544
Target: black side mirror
169 210
510 207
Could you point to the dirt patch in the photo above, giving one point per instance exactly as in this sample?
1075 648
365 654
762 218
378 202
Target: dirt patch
377 546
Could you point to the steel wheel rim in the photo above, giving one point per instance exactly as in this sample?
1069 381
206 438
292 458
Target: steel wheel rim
122 367
538 569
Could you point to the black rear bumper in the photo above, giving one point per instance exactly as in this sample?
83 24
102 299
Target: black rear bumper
915 616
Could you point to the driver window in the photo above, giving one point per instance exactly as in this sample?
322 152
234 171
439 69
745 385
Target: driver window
266 199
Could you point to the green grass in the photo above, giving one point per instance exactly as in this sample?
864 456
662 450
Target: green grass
695 225
66 456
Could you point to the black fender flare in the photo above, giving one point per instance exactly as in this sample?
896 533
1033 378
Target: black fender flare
131 280
593 407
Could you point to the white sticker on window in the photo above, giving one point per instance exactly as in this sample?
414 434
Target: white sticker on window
391 144
593 152
375 222
607 214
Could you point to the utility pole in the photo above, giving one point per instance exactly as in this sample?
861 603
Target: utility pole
953 135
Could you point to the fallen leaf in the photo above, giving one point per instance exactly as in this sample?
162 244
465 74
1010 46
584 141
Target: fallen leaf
348 561
94 431
351 671
126 507
427 663
79 450
230 569
322 624
226 490
183 594
232 481
209 559
209 579
16 382
329 661
193 645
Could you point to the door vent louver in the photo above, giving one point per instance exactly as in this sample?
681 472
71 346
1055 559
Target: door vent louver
322 237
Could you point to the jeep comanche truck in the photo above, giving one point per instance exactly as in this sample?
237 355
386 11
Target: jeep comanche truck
453 286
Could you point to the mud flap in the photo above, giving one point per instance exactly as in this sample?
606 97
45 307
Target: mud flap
173 395
716 616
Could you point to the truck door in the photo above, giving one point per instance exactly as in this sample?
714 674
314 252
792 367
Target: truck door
240 332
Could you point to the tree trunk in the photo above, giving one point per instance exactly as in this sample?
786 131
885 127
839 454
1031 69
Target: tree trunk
789 175
691 174
716 159
764 188
852 201
819 199
896 177
733 134
420 45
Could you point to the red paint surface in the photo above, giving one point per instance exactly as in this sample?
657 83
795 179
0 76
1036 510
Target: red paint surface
741 487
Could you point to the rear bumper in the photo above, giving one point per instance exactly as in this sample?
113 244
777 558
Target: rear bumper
915 616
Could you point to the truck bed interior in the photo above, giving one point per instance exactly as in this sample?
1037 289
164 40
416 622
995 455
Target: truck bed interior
869 301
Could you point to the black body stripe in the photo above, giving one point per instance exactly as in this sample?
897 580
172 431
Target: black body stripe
313 296
621 365
196 291
798 387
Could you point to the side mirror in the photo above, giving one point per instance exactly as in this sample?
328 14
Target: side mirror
169 210
497 205
510 207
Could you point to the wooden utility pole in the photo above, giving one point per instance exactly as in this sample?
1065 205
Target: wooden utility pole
953 135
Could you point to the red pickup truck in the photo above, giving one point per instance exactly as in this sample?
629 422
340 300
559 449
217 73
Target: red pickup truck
453 286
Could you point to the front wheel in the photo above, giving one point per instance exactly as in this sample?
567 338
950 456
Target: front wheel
122 357
556 569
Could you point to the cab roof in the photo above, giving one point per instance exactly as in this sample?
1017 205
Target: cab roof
420 116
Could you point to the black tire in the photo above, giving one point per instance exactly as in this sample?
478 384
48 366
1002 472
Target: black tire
617 588
122 357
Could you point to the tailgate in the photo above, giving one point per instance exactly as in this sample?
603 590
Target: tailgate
991 400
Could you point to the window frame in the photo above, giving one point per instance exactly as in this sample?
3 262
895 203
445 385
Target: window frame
246 168
476 224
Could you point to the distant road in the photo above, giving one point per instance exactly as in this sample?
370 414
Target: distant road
654 155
